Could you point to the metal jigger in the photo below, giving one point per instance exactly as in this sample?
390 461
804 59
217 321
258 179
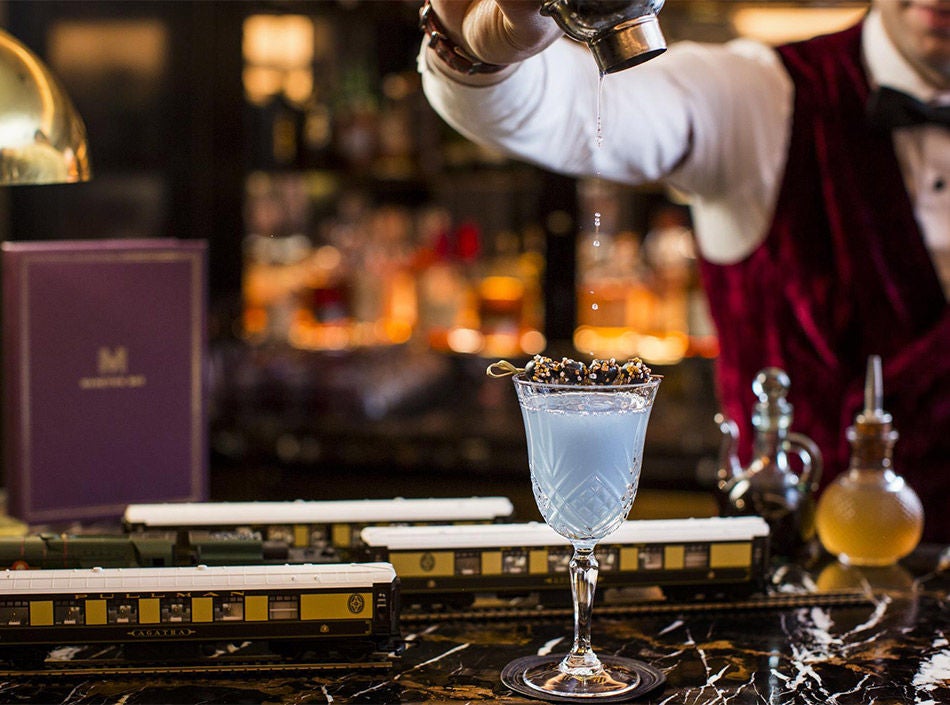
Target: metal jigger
620 33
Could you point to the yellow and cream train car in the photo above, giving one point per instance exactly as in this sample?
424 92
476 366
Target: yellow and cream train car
319 527
322 606
701 556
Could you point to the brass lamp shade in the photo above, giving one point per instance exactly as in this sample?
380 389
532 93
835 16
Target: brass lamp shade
42 137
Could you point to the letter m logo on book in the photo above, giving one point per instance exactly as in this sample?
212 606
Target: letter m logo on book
113 361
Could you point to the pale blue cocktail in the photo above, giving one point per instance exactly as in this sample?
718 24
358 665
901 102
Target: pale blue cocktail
585 449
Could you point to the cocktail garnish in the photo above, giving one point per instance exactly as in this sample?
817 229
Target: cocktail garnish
574 372
503 368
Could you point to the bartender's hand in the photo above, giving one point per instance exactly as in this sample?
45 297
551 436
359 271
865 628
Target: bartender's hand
495 31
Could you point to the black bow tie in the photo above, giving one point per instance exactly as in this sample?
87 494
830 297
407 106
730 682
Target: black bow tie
888 108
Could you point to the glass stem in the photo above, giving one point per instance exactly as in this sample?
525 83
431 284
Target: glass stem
582 662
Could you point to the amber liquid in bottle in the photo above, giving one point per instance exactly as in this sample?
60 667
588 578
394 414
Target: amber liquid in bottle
869 516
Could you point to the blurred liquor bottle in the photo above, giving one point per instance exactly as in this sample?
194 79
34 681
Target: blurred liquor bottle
638 295
509 312
615 304
446 275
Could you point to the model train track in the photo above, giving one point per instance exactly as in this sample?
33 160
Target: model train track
540 612
96 667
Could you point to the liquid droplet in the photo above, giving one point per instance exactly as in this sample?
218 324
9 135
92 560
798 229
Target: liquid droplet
599 137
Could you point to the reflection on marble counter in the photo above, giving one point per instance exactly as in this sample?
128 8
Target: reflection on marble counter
891 648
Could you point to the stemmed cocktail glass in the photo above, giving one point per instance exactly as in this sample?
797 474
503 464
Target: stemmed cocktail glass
585 448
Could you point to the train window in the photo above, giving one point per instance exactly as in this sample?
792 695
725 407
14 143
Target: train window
14 613
696 556
514 561
229 609
176 610
559 560
123 611
246 532
609 558
67 613
651 557
282 607
468 563
281 533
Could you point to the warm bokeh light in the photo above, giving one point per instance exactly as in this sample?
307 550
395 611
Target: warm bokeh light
465 340
666 350
603 341
533 342
278 57
777 25
278 41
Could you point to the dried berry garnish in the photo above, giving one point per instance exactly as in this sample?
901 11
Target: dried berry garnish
543 369
600 373
604 371
634 371
573 371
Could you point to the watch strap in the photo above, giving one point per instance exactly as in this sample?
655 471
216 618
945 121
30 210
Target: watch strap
455 57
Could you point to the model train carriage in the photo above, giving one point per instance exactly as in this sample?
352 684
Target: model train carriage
697 554
323 605
316 525
134 551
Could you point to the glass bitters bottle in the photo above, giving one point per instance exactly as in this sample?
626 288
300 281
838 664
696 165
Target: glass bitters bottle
869 516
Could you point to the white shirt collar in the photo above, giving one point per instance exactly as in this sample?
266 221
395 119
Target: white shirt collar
886 66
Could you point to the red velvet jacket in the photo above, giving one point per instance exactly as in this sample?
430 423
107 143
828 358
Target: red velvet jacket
843 273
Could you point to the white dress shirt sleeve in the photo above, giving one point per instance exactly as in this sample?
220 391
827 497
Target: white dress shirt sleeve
712 121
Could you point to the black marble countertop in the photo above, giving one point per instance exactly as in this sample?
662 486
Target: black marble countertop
888 643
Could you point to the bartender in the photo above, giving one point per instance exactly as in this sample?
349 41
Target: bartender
818 175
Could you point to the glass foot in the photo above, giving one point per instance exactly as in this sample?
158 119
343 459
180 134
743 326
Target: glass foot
621 679
607 680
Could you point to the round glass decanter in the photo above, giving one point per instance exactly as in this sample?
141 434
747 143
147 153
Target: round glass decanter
869 516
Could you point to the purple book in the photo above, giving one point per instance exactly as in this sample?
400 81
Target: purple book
104 348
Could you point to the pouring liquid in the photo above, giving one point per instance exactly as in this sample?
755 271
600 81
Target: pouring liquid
593 296
599 135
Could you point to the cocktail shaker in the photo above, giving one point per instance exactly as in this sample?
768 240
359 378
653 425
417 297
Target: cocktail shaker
620 33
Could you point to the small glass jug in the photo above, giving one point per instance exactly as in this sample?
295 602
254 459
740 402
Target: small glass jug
769 486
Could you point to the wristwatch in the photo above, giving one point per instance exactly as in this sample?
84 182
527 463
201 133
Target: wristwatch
451 53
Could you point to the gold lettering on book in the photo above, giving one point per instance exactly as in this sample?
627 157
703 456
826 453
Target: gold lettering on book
127 381
112 365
